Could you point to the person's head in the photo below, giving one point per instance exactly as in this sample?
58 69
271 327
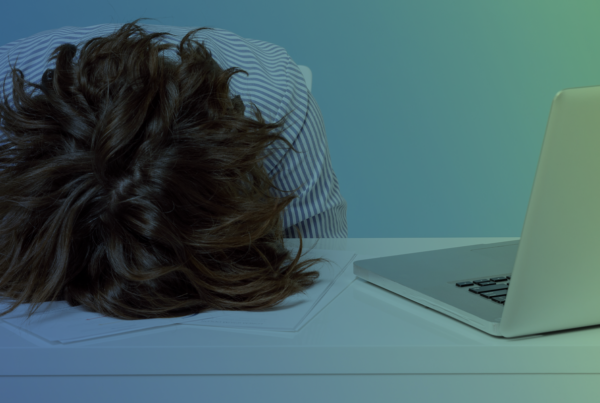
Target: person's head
133 185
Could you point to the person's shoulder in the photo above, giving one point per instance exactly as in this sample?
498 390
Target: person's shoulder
42 41
274 81
67 31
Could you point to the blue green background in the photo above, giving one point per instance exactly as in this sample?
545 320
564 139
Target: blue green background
435 111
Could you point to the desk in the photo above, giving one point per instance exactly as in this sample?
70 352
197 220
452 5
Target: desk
367 345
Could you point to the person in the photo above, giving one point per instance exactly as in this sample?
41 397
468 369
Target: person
146 175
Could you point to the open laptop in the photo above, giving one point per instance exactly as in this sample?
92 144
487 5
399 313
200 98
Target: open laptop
548 280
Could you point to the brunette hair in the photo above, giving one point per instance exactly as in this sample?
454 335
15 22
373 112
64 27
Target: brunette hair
134 186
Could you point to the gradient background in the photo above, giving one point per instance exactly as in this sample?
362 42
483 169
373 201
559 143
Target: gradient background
435 111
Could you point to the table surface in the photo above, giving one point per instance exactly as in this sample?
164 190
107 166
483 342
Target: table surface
365 330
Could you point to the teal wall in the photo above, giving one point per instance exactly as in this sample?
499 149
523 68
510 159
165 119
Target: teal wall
435 110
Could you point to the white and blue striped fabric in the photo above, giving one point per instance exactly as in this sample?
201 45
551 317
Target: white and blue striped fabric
275 84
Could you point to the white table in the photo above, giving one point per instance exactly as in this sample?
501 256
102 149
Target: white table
368 345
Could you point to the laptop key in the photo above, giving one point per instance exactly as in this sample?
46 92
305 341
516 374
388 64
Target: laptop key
487 283
495 287
491 294
478 282
464 283
498 279
500 299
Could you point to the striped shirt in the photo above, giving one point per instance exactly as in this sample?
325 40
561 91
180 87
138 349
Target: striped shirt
274 84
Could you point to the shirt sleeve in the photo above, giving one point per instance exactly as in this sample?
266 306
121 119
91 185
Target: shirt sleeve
277 87
320 209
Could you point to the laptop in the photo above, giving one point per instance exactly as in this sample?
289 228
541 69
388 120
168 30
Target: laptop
549 279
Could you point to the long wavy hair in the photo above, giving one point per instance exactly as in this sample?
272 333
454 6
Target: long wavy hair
133 185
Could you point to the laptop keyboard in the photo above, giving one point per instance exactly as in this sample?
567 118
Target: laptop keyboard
493 288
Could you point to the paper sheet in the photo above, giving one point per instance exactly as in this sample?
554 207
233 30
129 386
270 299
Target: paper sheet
57 321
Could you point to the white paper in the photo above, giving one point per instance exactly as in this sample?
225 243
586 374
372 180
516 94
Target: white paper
57 321
70 324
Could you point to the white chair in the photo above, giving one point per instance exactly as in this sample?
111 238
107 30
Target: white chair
307 76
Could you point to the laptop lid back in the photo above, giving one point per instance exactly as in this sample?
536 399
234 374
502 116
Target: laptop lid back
555 283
